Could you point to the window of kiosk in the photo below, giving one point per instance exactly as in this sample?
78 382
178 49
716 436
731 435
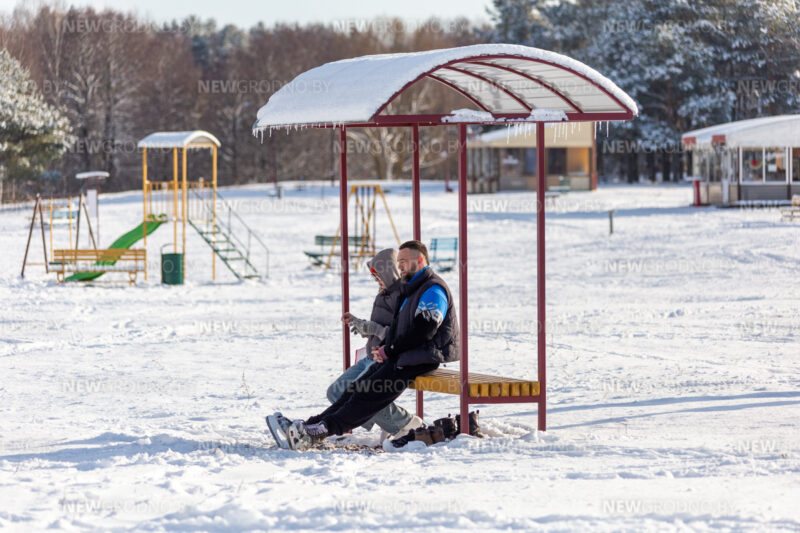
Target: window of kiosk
557 161
775 165
700 164
796 164
752 165
715 165
530 161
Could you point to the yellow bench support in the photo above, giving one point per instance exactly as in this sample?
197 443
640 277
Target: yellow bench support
480 385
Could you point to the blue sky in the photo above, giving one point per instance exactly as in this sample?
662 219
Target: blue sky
245 13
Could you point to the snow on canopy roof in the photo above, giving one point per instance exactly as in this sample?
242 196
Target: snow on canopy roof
558 135
179 139
500 79
92 174
780 130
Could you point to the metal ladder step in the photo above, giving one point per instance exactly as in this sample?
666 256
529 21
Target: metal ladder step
225 245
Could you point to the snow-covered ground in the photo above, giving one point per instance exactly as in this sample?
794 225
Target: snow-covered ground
673 377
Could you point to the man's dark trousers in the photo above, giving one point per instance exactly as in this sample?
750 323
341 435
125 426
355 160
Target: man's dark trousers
380 385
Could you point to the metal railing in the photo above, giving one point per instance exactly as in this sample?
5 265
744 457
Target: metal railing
165 198
232 225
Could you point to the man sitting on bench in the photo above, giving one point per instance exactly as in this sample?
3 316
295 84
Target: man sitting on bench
423 334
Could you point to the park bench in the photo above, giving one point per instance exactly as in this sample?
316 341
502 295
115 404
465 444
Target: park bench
550 197
99 261
562 187
793 211
326 242
447 381
442 253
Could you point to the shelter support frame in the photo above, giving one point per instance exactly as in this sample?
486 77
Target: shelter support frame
465 399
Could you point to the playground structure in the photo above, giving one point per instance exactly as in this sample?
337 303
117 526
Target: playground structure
180 201
84 264
197 202
510 84
363 242
64 212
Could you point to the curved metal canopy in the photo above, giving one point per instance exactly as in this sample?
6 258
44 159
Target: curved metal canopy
507 83
179 139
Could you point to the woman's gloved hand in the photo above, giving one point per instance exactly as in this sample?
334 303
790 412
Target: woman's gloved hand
365 328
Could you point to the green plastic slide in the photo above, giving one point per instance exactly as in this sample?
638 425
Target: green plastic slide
126 241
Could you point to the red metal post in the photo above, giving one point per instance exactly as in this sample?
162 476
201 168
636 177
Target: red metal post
417 227
345 244
447 160
415 178
274 156
463 318
540 286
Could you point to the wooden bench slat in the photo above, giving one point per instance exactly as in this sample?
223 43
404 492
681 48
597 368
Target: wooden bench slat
327 240
473 377
480 385
92 261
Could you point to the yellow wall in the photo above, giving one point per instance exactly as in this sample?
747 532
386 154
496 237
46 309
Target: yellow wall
578 161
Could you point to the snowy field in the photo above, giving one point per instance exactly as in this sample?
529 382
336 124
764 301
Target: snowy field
674 376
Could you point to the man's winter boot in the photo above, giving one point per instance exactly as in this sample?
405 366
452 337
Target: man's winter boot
448 425
437 434
474 427
402 441
414 423
423 435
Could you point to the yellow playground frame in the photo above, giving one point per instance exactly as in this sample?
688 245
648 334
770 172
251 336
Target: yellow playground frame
366 222
169 200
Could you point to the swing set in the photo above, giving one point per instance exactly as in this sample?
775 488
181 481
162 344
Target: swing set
363 241
64 212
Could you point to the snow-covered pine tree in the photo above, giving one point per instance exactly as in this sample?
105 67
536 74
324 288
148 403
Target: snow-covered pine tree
32 133
756 47
687 64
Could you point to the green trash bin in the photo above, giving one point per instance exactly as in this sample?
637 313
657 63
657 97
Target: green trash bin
171 267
